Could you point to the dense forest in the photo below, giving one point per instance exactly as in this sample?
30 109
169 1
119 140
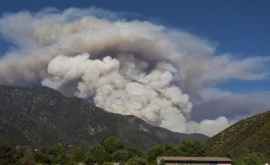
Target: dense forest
110 150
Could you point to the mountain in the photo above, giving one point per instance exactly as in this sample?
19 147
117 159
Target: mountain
251 135
40 116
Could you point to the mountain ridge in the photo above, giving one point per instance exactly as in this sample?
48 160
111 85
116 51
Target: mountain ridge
250 135
41 116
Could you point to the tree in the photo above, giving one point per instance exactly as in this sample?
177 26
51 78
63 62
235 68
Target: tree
28 157
112 144
56 154
136 161
135 152
121 155
192 148
98 154
108 163
161 150
78 154
41 157
8 155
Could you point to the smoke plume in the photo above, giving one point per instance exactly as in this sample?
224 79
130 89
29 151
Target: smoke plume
130 67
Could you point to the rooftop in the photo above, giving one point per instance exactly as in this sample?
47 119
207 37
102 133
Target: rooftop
194 159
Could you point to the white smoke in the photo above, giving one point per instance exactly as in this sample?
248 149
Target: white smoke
126 90
128 67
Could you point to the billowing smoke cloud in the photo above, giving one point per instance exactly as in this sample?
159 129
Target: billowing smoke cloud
126 89
128 67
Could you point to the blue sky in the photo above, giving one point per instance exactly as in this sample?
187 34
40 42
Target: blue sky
240 27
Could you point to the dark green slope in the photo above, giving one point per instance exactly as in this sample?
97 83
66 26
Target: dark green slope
251 135
41 116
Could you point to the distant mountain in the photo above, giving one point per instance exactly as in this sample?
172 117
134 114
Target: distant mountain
251 135
40 116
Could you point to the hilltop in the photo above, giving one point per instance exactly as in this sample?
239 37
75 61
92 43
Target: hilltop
249 136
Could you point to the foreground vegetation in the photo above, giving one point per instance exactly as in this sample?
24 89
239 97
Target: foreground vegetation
110 150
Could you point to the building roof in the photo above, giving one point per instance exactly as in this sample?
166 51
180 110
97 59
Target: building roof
194 159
